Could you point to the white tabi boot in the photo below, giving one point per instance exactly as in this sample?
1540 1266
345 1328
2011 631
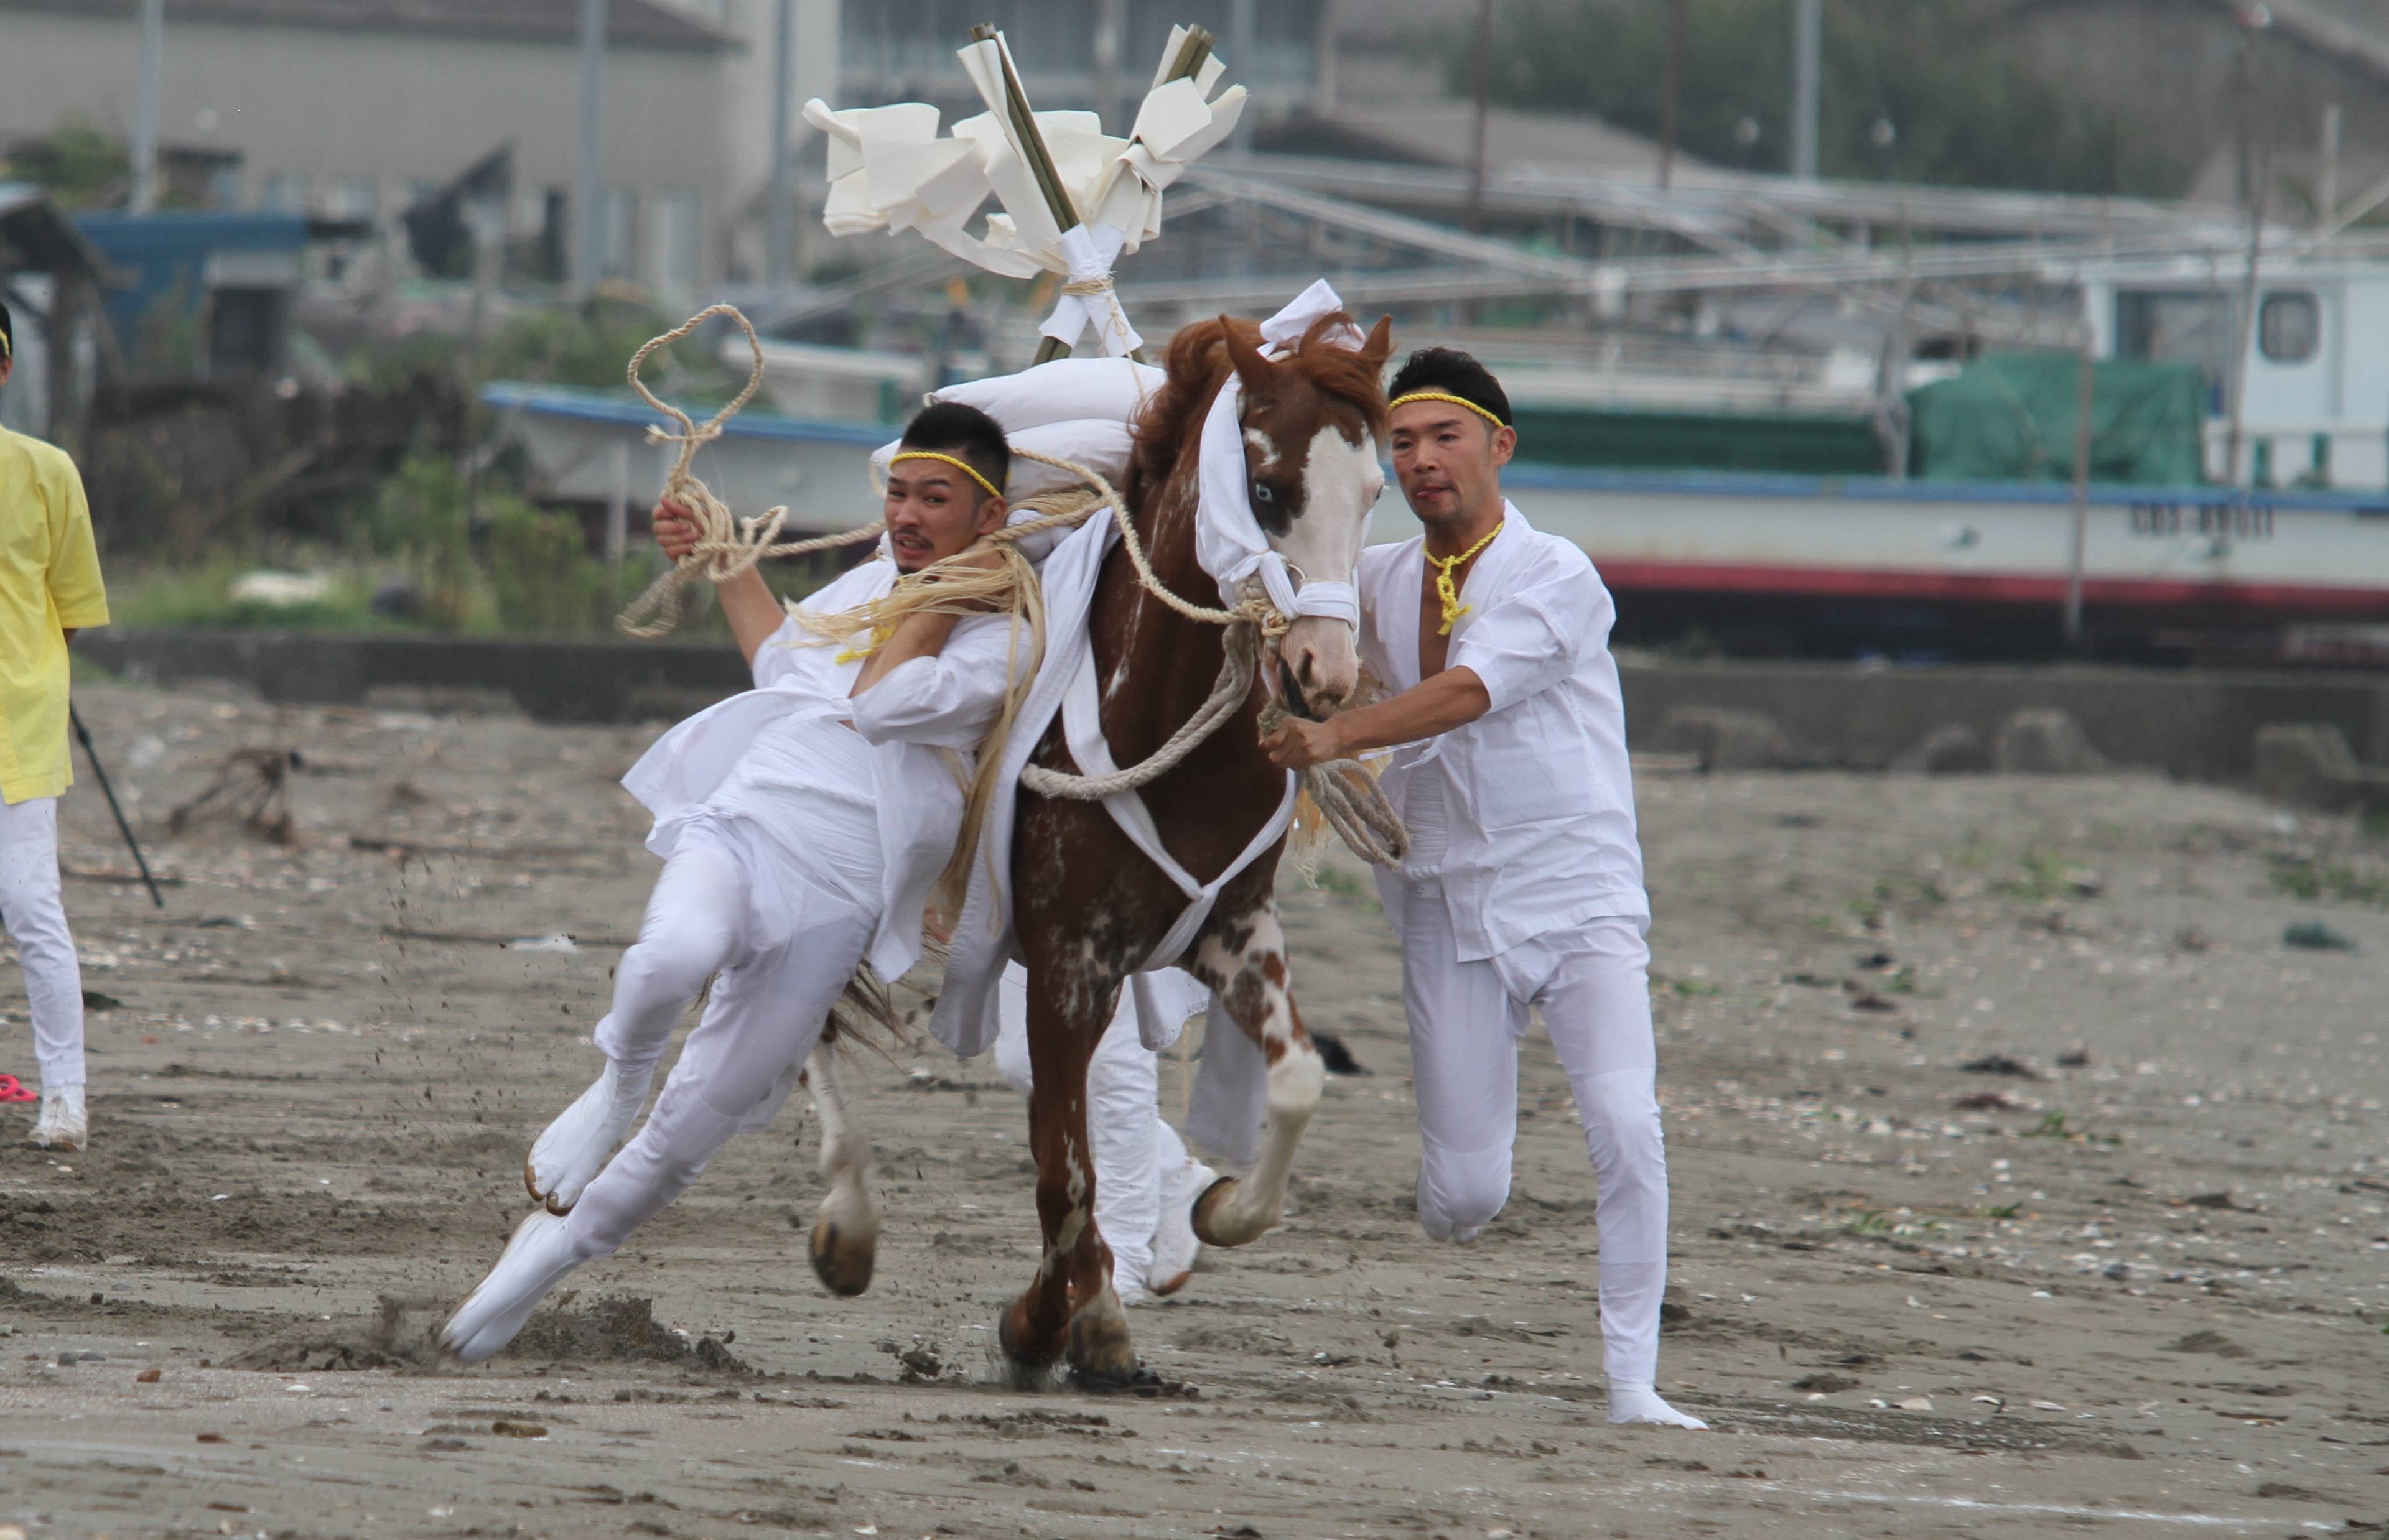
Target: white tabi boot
535 1261
62 1124
1174 1245
567 1157
1632 1402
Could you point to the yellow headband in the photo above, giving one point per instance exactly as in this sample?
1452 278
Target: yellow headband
960 466
1441 396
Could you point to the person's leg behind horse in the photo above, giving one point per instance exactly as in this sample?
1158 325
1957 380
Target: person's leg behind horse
1464 1029
765 1013
1596 1001
695 925
33 908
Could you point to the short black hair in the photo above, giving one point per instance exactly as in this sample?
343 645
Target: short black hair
964 432
1449 372
7 333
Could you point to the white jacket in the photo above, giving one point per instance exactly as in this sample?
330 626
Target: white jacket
925 720
1541 805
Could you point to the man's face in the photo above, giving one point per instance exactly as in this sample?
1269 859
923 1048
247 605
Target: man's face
1449 460
935 511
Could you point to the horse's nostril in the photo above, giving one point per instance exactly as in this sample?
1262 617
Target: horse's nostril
1309 672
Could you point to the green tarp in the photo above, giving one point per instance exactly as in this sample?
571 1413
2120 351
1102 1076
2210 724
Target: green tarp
2011 417
1803 445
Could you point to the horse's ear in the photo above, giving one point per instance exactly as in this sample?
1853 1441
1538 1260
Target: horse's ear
1257 372
1380 345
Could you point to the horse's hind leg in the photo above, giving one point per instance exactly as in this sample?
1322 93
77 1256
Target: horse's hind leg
1244 961
845 1241
1069 1309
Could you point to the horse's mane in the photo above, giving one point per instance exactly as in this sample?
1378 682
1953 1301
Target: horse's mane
1197 363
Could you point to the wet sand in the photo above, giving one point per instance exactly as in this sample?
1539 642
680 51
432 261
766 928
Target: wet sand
2138 1286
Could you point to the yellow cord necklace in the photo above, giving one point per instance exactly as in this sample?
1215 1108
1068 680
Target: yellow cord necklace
1446 590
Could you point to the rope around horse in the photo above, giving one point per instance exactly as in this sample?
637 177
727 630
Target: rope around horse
1346 793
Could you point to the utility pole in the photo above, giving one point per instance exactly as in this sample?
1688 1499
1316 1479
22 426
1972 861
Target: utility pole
2328 195
590 259
145 107
1481 85
1243 45
783 236
1807 66
1671 100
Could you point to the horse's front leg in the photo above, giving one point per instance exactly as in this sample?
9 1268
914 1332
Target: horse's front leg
845 1241
1242 960
1070 1308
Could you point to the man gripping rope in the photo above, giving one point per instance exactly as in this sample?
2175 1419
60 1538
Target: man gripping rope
802 825
1523 886
49 589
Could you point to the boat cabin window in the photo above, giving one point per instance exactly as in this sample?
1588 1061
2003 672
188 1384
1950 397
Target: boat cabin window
2177 326
2289 327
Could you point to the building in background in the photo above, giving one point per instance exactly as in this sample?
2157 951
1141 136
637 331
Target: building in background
352 108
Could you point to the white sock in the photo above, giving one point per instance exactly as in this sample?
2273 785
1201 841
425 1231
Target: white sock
1629 1402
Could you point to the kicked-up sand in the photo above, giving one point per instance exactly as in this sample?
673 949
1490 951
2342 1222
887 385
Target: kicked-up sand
2128 1274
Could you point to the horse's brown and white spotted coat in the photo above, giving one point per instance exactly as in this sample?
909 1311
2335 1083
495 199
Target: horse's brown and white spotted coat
1090 908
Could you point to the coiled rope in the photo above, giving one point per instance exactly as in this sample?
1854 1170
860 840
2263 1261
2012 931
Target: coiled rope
1344 791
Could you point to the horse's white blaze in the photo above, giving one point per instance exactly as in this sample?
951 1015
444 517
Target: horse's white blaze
1341 484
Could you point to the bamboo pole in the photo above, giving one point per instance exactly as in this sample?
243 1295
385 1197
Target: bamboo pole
1193 53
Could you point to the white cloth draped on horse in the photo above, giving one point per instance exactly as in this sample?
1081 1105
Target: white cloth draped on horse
1230 547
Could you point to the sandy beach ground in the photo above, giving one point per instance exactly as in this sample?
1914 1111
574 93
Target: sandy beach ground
2137 1285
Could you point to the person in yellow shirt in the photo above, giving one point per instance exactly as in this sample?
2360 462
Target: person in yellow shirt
49 589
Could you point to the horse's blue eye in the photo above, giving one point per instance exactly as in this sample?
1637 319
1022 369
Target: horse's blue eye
1262 492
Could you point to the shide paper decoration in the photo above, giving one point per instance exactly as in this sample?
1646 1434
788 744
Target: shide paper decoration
1075 198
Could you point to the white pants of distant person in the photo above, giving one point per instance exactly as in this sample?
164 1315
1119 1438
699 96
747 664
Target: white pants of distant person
36 918
1592 982
1141 1165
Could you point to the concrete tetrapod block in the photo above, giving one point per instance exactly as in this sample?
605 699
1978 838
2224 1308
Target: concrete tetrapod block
1953 748
1728 740
2309 765
2043 741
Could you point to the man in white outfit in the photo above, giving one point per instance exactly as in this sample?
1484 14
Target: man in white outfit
802 825
1524 885
49 589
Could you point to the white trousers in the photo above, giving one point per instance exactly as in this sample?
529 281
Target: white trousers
36 917
762 1019
1592 987
1138 1156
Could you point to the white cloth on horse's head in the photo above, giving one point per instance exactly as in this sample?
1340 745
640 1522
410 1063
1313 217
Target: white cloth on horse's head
1108 389
919 719
1228 540
1538 795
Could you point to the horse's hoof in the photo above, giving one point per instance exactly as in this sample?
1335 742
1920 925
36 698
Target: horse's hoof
1026 1361
1206 1205
843 1262
1098 1340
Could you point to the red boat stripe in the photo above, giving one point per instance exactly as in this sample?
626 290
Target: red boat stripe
1820 583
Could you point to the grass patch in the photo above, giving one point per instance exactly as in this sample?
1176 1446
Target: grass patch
2054 1126
2329 881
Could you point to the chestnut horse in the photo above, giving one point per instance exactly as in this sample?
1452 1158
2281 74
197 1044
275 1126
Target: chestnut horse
1090 908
